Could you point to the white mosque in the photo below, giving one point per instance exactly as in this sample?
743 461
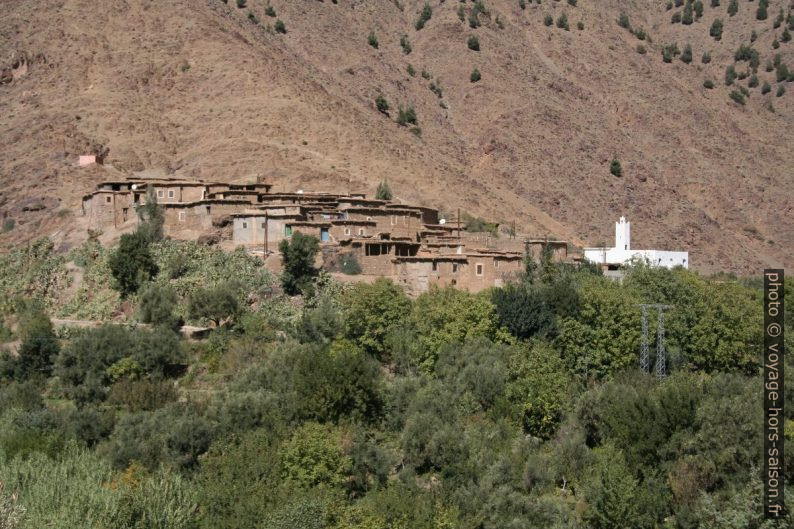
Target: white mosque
622 252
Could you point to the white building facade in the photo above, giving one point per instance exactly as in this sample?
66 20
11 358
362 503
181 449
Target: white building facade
622 252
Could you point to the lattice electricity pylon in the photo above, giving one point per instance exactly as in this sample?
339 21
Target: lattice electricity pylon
661 353
644 357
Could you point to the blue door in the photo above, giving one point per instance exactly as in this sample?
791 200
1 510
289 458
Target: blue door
324 234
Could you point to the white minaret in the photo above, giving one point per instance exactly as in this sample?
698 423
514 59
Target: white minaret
623 234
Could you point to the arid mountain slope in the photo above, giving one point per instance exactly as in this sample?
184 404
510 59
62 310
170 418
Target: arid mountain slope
197 87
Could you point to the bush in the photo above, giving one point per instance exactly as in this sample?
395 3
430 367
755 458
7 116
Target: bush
761 13
615 168
641 49
730 75
96 357
669 51
406 44
372 40
475 75
686 56
706 58
782 73
716 29
410 70
348 264
753 82
562 22
406 115
780 90
676 18
766 88
8 225
580 25
384 191
298 255
686 16
424 16
640 33
548 20
241 4
280 27
382 105
708 83
314 457
733 7
473 43
737 96
623 20
522 4
269 11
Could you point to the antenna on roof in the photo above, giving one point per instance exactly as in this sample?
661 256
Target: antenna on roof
442 221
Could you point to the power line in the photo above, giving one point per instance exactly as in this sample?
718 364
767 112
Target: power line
661 352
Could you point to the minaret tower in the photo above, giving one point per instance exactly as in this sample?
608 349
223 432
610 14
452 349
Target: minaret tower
623 234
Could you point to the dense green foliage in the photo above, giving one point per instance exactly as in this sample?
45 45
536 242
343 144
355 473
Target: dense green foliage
357 407
298 254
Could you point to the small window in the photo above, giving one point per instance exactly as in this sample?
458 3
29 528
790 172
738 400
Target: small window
209 210
435 266
347 231
287 231
369 218
405 220
245 225
108 199
454 268
160 193
181 216
171 193
495 263
361 231
263 225
478 270
393 220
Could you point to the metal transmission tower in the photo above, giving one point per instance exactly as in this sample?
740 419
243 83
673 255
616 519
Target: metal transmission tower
644 360
661 353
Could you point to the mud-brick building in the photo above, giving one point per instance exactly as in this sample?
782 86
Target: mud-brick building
407 243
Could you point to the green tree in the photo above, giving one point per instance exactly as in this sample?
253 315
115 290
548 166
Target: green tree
313 457
523 310
540 389
475 75
371 312
215 304
39 346
384 191
733 7
473 43
156 306
337 383
613 495
372 40
279 26
382 105
761 13
686 16
132 263
447 316
298 254
152 218
406 115
562 22
605 337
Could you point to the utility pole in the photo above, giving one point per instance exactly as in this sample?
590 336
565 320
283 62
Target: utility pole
644 360
266 226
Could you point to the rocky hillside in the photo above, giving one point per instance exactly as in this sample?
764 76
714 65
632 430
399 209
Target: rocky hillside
287 90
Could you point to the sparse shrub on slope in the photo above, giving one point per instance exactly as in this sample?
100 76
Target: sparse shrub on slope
473 43
562 22
372 40
424 16
716 29
733 7
475 75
